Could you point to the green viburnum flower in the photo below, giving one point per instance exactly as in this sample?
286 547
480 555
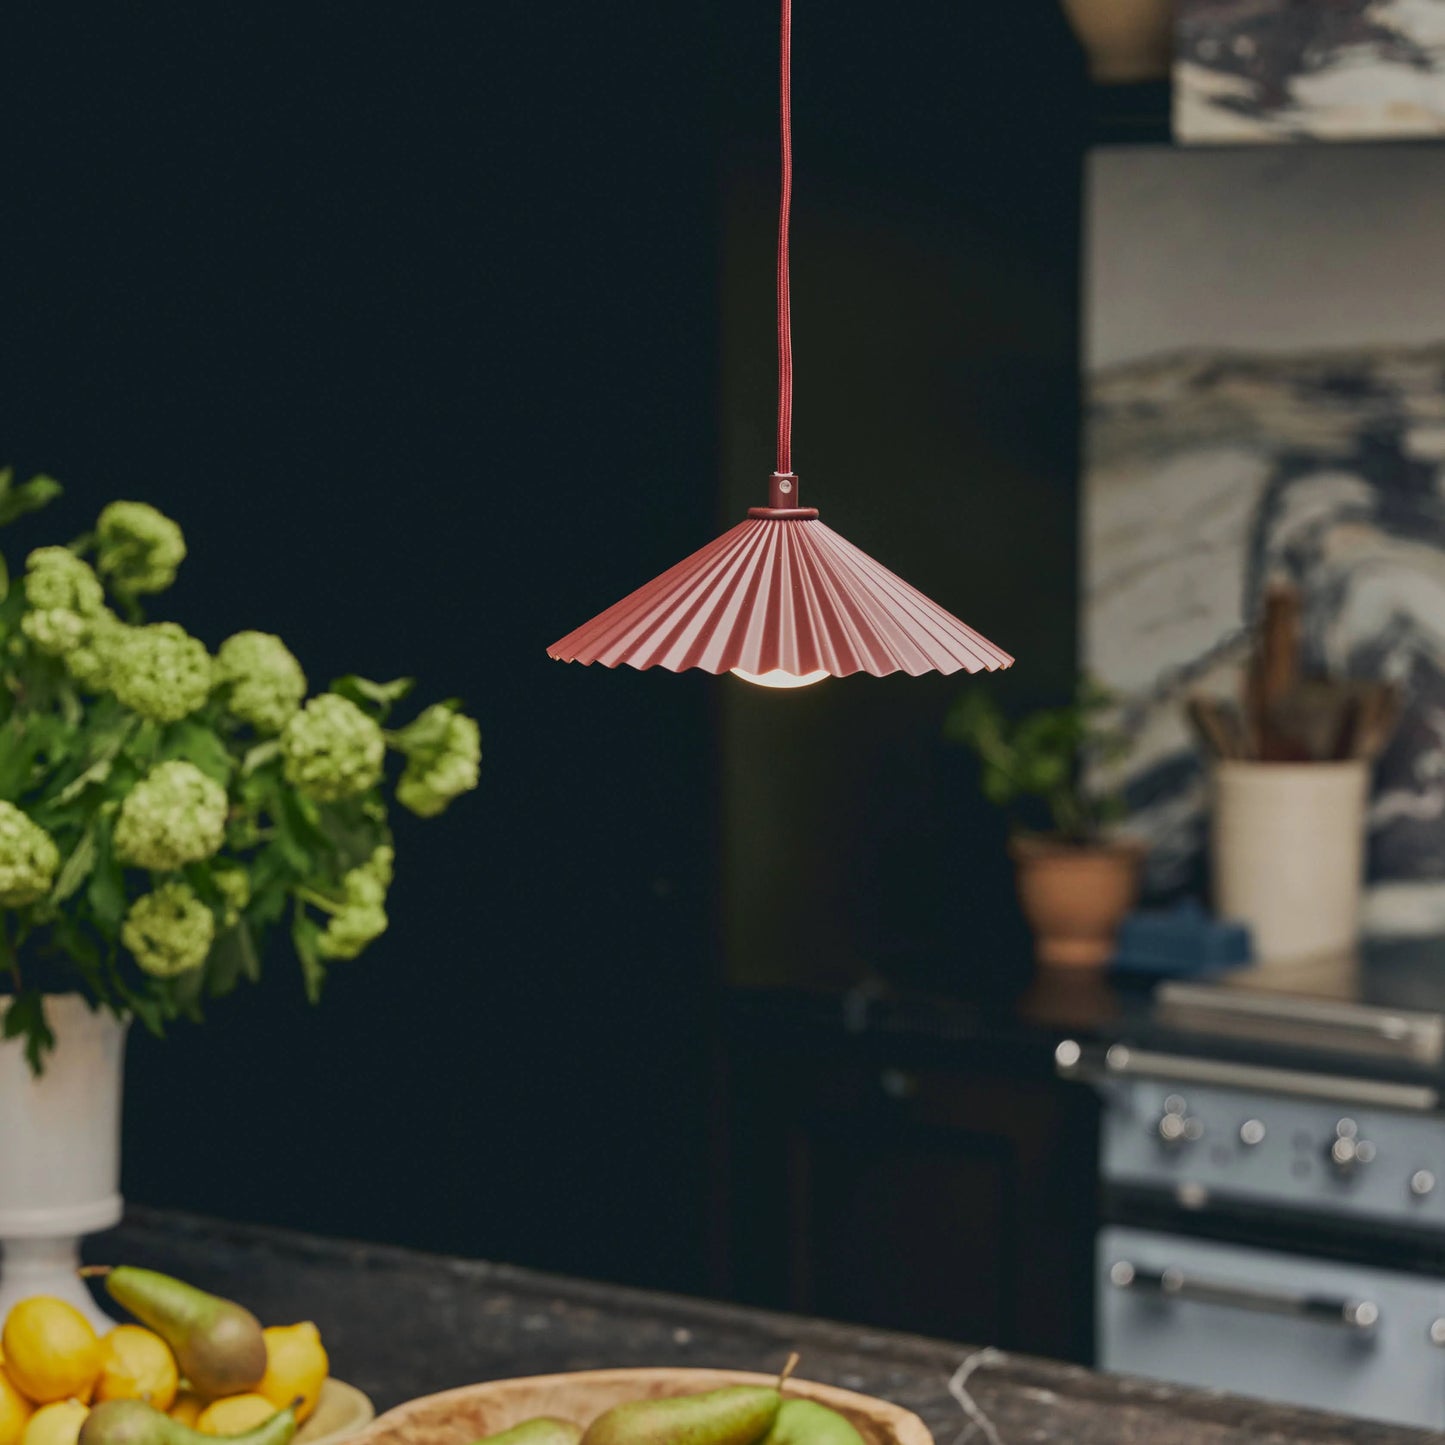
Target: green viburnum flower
159 671
169 931
28 859
63 594
175 815
331 750
89 662
266 681
382 863
138 548
362 917
443 750
234 886
56 631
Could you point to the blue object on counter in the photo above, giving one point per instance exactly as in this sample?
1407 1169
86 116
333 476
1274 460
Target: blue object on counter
1183 942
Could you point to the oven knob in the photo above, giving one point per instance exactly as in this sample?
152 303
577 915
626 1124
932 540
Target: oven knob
1176 1126
1437 1332
1422 1182
1251 1133
1347 1152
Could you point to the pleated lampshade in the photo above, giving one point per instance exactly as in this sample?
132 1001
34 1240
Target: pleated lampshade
781 593
781 599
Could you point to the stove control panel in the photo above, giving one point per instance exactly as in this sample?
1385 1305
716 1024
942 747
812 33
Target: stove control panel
1203 1140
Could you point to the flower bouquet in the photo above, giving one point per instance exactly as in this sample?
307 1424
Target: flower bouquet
162 808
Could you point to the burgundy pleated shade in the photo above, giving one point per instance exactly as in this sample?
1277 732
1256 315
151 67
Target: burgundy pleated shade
781 600
780 593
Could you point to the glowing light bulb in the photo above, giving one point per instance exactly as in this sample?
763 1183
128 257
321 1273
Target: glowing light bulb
779 678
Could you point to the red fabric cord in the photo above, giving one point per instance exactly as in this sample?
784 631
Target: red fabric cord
785 212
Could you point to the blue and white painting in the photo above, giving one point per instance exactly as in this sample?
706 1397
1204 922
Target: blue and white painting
1270 70
1266 399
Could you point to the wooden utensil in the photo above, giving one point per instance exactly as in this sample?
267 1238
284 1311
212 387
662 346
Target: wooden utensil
1219 726
1376 716
1273 671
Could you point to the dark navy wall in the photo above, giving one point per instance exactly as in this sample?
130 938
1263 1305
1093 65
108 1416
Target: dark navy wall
407 315
440 327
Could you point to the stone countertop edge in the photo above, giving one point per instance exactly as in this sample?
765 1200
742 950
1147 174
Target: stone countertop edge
402 1323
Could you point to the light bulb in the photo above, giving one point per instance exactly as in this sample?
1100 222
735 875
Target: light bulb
779 678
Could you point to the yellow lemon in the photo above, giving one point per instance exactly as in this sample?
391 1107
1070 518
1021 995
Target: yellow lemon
137 1365
234 1415
55 1424
296 1366
51 1352
14 1411
187 1408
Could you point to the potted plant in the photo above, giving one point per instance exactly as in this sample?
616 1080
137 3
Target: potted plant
1075 880
162 809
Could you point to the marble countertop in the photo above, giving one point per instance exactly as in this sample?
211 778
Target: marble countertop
401 1324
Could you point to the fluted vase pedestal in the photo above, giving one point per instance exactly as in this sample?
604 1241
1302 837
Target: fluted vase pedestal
59 1154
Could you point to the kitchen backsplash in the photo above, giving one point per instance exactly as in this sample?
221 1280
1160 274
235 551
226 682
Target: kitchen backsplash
1266 398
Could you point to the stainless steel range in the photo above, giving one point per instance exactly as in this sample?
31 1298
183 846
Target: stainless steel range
1273 1170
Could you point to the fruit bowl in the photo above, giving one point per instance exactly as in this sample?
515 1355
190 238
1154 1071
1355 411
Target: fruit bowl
459 1417
341 1412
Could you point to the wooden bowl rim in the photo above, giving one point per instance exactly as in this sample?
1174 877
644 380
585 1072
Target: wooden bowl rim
338 1399
906 1427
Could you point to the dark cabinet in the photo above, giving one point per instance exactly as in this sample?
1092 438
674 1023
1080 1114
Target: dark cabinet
951 1194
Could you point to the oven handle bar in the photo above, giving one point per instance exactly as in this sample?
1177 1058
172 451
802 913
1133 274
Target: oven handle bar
1074 1061
1362 1315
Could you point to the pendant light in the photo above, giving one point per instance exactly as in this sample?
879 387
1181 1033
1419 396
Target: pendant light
781 600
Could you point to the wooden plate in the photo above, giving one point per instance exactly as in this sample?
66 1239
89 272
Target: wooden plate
459 1417
341 1412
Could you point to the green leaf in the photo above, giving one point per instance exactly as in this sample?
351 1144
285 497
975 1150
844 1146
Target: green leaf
105 747
353 831
193 742
27 497
25 1018
77 867
21 743
426 733
149 1010
233 957
373 697
306 935
187 990
297 838
259 756
106 891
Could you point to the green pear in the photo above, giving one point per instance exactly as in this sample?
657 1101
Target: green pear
735 1415
218 1345
542 1431
133 1422
805 1422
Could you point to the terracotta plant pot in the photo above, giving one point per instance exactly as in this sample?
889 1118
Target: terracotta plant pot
1126 40
1075 896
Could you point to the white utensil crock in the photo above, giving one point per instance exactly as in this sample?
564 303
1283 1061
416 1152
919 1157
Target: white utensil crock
1288 851
59 1153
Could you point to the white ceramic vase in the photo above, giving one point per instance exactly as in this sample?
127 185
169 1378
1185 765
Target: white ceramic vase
59 1154
1126 40
1288 851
